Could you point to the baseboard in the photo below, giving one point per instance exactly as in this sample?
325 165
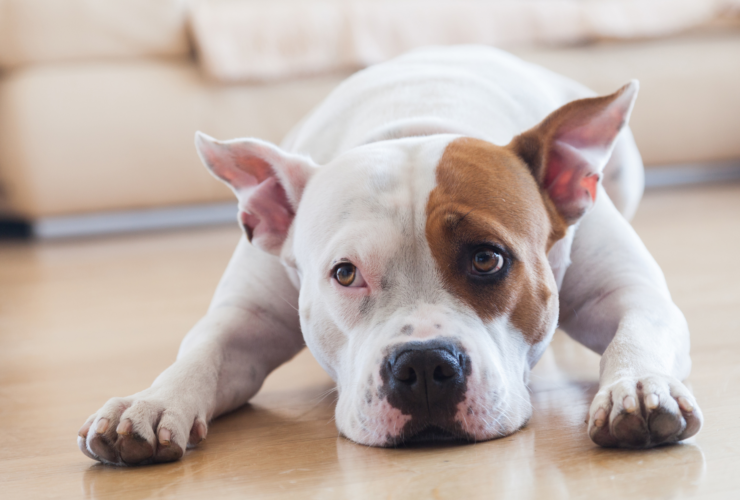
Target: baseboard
66 226
690 174
11 228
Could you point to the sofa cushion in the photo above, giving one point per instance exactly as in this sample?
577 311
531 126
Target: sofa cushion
97 136
243 40
33 31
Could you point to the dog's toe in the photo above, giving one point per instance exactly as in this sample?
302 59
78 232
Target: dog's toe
167 450
133 448
599 430
197 433
665 425
691 414
101 441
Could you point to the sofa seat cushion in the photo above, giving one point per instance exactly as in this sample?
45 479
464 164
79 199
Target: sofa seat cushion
97 136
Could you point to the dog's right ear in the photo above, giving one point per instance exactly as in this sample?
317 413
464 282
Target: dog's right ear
568 150
267 181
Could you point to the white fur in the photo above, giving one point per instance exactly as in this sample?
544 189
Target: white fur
367 203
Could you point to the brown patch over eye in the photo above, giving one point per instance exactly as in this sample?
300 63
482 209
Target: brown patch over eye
486 199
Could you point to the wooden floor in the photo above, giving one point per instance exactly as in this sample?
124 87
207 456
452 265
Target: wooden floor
82 321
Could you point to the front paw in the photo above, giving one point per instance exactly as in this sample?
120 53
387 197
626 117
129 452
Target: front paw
141 429
643 412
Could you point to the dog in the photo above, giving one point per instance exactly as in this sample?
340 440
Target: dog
434 220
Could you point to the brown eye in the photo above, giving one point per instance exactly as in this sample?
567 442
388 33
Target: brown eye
487 261
345 274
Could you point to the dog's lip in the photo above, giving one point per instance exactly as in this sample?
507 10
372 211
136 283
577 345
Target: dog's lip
430 434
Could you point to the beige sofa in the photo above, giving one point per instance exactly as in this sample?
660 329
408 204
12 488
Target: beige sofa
98 108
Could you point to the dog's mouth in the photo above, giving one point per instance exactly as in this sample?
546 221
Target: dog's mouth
430 434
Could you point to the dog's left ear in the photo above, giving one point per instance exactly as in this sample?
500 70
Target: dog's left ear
268 182
569 149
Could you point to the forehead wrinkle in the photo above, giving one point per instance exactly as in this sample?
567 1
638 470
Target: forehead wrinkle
366 239
474 226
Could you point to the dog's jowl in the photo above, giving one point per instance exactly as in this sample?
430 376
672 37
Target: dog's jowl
432 222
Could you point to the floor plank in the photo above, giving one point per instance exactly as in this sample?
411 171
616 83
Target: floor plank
84 320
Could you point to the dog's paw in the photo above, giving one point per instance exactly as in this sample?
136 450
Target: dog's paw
141 429
643 412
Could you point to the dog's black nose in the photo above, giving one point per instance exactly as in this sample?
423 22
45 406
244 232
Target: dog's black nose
427 378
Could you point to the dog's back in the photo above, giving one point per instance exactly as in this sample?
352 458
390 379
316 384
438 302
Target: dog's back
474 91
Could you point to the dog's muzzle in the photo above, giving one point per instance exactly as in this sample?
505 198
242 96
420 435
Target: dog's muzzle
426 380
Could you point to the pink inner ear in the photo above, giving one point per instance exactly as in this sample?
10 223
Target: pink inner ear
598 132
237 168
571 179
266 213
590 182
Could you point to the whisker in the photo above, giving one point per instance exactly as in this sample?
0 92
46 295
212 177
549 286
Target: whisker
286 301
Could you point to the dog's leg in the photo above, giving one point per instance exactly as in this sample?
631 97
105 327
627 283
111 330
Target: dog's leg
614 300
251 328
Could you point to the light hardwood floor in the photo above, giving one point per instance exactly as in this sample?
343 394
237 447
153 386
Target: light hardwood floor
81 321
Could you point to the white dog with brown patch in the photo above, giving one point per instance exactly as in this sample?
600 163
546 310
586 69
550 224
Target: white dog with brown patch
434 221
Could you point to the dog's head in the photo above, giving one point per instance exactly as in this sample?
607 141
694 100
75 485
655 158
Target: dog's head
425 286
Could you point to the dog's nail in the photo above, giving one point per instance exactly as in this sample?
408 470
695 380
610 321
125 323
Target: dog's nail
125 427
600 417
201 431
102 426
197 433
685 405
84 430
630 405
165 437
652 401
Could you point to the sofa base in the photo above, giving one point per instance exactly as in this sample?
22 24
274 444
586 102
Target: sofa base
127 221
186 216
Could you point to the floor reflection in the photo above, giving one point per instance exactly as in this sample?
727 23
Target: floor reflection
286 443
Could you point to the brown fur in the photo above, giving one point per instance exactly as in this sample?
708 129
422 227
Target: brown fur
487 194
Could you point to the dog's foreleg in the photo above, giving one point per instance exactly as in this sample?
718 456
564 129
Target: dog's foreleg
614 300
251 328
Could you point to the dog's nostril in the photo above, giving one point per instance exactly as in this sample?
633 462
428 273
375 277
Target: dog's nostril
440 374
404 373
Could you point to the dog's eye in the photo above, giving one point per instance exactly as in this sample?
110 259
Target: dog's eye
487 261
347 274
